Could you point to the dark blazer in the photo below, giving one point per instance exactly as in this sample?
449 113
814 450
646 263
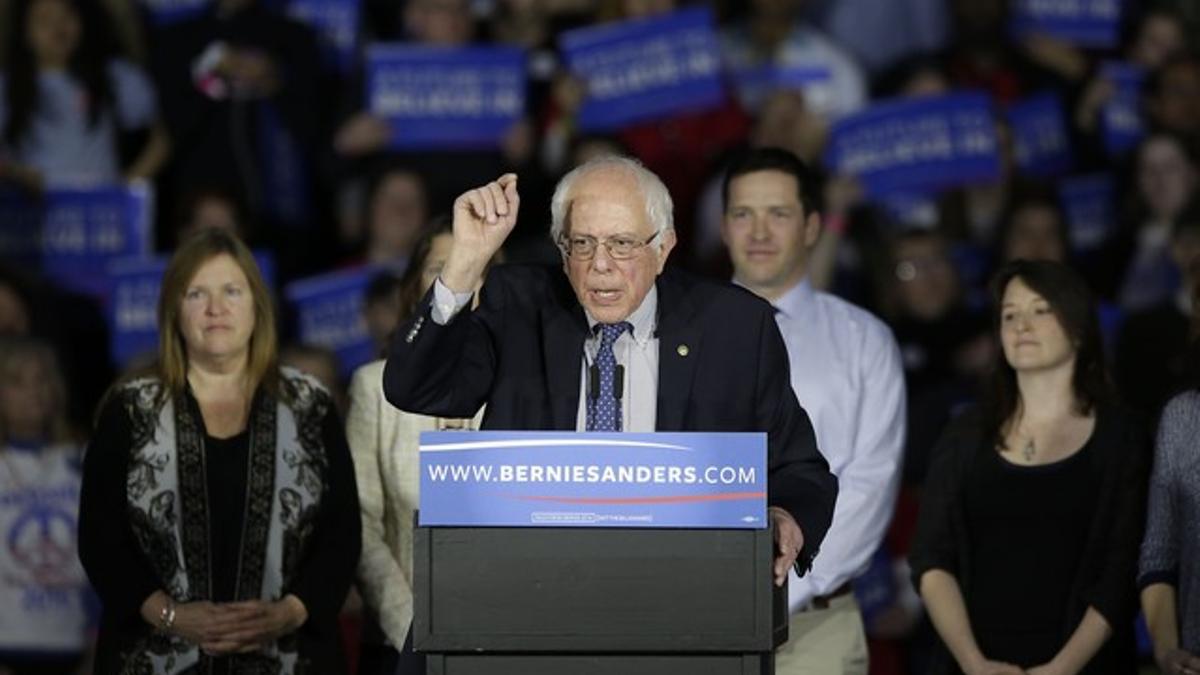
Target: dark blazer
1104 579
722 367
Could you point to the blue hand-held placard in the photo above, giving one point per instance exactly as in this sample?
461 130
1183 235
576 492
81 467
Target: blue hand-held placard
1087 23
70 235
336 25
329 313
1041 142
446 98
1121 117
645 69
1088 202
917 145
163 12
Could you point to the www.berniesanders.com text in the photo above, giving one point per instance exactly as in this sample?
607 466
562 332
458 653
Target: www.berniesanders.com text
591 473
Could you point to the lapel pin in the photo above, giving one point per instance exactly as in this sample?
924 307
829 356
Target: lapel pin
682 350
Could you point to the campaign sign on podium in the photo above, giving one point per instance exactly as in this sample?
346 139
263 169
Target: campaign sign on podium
568 479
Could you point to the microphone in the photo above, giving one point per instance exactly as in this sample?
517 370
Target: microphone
594 382
619 382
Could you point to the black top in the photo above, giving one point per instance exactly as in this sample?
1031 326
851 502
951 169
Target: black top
1105 540
124 577
225 466
1028 527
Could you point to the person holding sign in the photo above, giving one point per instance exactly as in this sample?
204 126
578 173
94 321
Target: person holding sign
1026 545
219 517
614 344
846 371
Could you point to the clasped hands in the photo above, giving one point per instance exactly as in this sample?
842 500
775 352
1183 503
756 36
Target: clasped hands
1176 661
1000 668
221 628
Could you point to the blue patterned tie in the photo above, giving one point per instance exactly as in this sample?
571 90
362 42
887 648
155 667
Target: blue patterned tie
604 412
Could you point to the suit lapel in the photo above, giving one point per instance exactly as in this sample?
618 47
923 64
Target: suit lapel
563 333
678 351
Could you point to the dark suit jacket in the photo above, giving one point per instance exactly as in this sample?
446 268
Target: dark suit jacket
520 352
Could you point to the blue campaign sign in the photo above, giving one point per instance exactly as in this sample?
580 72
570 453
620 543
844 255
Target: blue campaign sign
133 306
1121 118
72 234
336 24
1089 206
564 479
645 69
82 230
1041 144
1088 23
910 209
266 266
329 313
164 12
438 97
20 228
917 145
755 83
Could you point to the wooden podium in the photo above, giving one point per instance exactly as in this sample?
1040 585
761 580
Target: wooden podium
593 601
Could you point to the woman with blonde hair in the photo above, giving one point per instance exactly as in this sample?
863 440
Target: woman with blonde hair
43 591
219 517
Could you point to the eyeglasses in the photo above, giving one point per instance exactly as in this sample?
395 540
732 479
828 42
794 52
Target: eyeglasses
620 247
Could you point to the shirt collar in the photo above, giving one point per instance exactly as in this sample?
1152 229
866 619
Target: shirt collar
792 303
642 319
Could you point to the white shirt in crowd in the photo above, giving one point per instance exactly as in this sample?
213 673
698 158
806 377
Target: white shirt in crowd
847 374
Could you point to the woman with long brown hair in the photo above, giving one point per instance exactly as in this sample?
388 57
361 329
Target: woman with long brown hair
218 517
1026 544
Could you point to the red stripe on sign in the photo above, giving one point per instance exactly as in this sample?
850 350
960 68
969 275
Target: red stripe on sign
678 499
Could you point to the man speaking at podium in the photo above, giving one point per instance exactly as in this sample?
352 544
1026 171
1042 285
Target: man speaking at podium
614 344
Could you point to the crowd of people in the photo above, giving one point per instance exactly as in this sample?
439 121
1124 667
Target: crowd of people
1004 389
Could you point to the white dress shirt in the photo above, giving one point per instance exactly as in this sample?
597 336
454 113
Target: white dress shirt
637 352
847 374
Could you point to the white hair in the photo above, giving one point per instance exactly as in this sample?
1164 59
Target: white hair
659 208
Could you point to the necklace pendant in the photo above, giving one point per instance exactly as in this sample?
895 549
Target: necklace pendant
1029 451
